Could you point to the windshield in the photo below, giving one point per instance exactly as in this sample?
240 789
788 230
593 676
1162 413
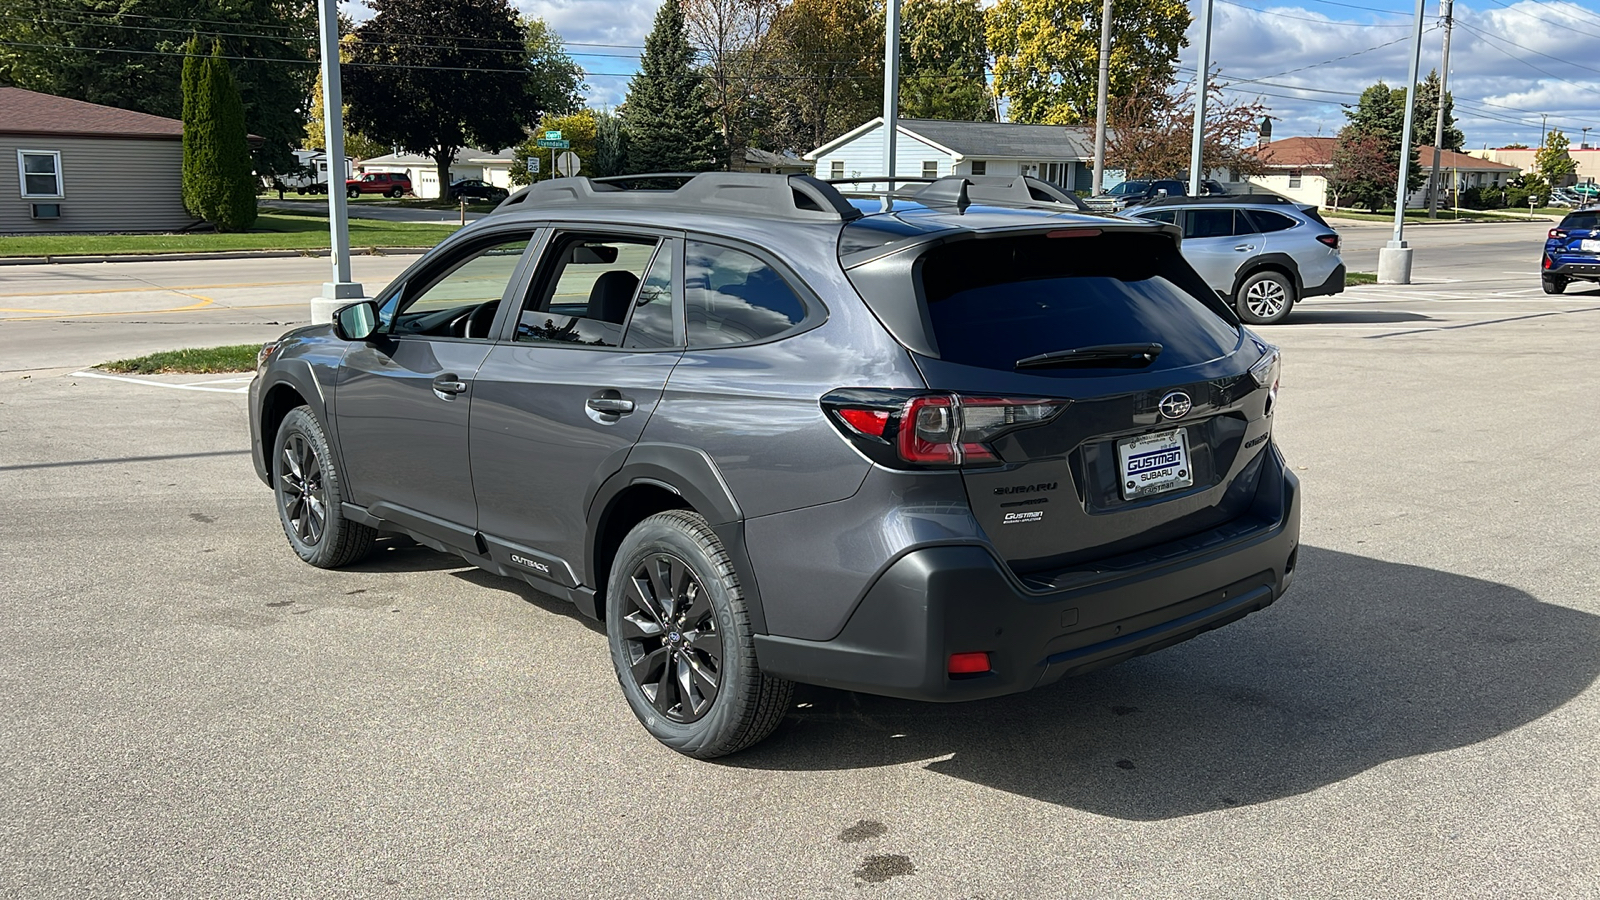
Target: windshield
1129 187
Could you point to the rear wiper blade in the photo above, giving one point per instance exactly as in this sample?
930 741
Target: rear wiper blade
1118 356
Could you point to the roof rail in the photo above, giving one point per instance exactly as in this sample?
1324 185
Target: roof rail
995 190
756 194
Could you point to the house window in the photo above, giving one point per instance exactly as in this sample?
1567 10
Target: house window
40 171
836 169
1294 178
930 169
980 167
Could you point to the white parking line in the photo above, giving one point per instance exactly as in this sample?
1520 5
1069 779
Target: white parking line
195 386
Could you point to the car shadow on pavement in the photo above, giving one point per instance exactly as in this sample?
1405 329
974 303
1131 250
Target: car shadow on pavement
1361 663
1353 317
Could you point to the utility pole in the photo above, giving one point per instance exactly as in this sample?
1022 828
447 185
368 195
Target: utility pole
1544 128
1100 99
1200 100
891 94
341 290
1438 127
1583 142
1394 259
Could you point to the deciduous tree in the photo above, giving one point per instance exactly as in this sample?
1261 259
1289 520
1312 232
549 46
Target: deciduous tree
577 129
944 55
1151 132
1552 162
824 72
1047 52
726 36
470 83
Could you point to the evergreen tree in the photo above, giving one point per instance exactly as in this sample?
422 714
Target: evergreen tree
193 66
1366 157
610 145
1428 113
236 184
667 116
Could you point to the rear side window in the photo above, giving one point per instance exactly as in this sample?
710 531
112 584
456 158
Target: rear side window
1169 216
1271 221
731 297
995 301
1581 221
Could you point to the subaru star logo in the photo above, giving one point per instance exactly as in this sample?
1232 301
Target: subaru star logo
1175 405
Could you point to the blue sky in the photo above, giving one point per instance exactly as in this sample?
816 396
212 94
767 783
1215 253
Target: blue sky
1510 60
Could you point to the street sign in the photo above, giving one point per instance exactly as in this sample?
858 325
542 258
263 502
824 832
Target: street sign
533 165
555 144
568 163
552 135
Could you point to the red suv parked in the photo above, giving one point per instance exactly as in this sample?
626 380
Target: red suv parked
392 184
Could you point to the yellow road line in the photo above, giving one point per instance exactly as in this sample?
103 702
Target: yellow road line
46 312
205 301
179 289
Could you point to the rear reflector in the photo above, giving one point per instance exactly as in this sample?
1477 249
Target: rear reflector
969 663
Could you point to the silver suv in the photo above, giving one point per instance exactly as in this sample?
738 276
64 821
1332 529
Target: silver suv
1263 253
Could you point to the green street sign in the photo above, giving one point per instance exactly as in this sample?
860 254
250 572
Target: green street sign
559 145
552 135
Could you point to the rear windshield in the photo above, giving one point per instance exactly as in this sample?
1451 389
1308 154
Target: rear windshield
1582 221
995 301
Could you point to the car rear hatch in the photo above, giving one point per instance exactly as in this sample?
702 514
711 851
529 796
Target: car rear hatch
1099 401
1578 235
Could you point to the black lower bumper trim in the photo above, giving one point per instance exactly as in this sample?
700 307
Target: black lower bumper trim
1334 284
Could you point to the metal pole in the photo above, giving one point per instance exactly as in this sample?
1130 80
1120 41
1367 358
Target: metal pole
891 95
341 289
1100 99
1200 80
1438 127
1394 260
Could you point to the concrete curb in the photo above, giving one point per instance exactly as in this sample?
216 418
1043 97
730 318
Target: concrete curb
189 257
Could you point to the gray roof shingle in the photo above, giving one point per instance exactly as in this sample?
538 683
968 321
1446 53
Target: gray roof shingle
1007 140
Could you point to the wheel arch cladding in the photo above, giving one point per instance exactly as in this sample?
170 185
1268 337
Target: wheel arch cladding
656 478
279 400
1273 262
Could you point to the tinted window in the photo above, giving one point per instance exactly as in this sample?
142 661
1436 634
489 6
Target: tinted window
731 297
1129 187
650 327
1581 221
1208 223
585 288
993 302
1173 188
1168 216
1271 221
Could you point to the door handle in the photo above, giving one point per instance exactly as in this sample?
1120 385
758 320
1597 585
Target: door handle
610 403
1243 248
449 384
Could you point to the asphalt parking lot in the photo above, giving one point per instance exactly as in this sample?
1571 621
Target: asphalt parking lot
192 712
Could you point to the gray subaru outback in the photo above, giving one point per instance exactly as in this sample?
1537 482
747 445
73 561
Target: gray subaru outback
950 449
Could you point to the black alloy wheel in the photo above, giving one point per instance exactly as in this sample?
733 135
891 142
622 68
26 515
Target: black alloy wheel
681 640
674 649
302 497
310 494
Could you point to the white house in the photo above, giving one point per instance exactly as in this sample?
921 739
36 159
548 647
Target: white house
1060 154
471 162
1297 168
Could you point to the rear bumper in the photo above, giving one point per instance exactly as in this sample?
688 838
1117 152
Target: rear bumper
1333 285
1587 269
936 601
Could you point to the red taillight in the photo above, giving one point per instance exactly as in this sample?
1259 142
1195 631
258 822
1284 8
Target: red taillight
1547 262
1332 240
969 663
928 431
866 421
897 428
1073 232
1556 233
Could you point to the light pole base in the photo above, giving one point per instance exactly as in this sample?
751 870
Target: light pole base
335 294
1394 263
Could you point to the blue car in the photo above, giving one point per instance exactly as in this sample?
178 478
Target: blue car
1572 251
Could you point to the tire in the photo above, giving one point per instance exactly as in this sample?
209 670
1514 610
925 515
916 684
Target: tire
1553 285
352 193
308 490
675 557
396 193
1265 298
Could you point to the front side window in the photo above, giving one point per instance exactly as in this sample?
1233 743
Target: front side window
40 172
459 298
1168 216
1208 223
731 297
587 287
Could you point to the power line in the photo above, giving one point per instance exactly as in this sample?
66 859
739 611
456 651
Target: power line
1279 15
1529 49
1523 12
1519 59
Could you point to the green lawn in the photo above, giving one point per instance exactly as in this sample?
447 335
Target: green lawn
1353 278
279 230
205 361
1412 216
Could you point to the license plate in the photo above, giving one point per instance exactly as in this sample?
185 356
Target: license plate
1155 463
1589 246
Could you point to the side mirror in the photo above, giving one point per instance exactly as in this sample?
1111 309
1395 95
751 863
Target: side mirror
357 321
1161 193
